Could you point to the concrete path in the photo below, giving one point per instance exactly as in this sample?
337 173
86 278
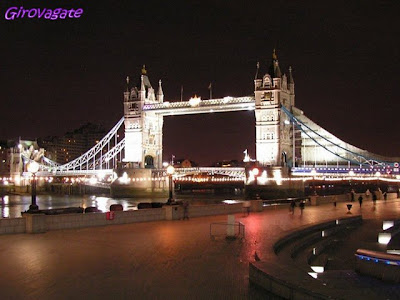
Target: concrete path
154 260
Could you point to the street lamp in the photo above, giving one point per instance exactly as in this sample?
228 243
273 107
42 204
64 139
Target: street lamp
255 171
255 174
170 172
314 173
33 167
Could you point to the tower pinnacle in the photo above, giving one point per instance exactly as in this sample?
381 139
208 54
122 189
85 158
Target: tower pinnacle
144 71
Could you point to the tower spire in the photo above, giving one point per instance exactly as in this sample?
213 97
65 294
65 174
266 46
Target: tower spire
127 83
160 93
274 69
257 70
290 75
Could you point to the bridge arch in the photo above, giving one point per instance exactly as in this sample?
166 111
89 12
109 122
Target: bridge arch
149 162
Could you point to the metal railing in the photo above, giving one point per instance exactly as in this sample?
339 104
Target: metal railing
220 229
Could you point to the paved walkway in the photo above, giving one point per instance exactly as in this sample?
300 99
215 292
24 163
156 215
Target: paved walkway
154 260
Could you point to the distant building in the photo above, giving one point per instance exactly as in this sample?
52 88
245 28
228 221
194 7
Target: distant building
12 164
229 163
73 144
184 163
4 161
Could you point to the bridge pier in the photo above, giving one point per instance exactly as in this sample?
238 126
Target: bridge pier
269 184
140 183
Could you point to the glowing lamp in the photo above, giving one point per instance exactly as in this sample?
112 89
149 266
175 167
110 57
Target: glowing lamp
384 238
195 101
387 224
318 269
256 171
313 274
170 170
33 167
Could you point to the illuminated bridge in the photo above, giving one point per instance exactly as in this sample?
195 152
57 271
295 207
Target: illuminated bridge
285 139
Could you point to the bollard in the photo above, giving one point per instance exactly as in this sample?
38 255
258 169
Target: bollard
230 230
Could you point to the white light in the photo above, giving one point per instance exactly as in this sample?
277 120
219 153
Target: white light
170 170
277 176
33 167
256 171
384 238
287 122
101 174
387 224
165 164
124 178
226 99
318 269
230 201
93 180
378 174
195 101
313 274
351 173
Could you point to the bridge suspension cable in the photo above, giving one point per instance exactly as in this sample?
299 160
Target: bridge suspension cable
99 156
306 129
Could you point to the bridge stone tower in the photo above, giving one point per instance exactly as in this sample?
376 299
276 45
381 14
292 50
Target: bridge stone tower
274 132
143 130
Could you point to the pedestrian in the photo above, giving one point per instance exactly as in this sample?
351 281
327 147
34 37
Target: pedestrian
352 195
186 210
367 194
301 205
246 207
374 198
360 199
292 206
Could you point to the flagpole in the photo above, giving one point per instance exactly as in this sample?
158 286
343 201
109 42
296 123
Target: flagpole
181 92
210 88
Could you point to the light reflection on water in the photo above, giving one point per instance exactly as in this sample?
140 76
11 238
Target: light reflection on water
11 206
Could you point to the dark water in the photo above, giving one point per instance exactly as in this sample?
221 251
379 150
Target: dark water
11 206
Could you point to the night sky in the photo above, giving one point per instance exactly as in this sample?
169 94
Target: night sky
57 75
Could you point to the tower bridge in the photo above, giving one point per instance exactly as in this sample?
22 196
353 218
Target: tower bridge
285 137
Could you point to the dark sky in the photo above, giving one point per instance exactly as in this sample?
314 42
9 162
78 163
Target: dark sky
57 75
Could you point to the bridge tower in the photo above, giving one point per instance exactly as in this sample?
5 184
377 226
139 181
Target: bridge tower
275 142
143 130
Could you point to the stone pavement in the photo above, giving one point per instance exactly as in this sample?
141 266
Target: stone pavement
154 260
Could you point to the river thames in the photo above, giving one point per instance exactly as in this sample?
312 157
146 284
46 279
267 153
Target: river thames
11 206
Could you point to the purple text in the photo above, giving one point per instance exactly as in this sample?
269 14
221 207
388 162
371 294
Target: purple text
42 13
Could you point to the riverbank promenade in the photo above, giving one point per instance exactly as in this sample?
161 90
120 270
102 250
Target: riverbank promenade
170 259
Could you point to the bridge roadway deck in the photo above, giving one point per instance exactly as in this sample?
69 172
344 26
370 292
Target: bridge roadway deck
156 260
